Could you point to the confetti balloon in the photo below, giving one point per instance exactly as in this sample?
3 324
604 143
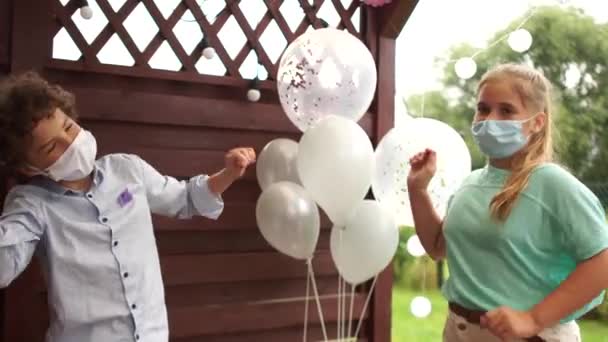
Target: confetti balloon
326 72
389 183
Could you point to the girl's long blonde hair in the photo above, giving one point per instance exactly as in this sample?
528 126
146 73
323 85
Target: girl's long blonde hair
535 92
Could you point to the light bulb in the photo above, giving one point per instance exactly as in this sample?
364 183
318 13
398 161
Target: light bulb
421 307
86 12
465 67
253 95
414 247
209 52
520 40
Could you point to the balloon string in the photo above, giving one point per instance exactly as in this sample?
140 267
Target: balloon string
316 292
342 313
282 300
340 290
344 336
339 306
369 296
352 306
305 335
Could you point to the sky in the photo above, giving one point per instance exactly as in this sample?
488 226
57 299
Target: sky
433 28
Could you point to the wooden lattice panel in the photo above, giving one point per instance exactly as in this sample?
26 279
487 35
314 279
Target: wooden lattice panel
144 36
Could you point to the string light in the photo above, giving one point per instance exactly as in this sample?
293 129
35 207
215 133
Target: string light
85 10
208 50
519 40
421 307
254 94
465 67
414 247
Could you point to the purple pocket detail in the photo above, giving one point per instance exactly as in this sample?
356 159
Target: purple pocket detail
125 198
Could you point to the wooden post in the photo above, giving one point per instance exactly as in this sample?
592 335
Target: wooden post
381 331
30 49
5 35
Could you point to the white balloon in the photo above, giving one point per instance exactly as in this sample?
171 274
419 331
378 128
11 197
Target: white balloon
520 40
366 245
288 219
421 307
335 164
414 246
278 162
465 67
326 72
389 183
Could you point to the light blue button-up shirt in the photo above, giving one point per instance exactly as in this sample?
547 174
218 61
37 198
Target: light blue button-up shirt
97 248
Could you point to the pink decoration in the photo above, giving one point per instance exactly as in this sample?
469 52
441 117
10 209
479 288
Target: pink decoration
376 3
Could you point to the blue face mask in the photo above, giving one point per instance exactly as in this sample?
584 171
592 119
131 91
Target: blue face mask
500 138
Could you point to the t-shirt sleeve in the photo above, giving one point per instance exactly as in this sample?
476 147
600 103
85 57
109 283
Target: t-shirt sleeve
580 215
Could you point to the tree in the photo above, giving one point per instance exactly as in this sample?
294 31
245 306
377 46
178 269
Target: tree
567 43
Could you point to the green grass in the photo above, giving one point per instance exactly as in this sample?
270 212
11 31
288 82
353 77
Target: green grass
407 328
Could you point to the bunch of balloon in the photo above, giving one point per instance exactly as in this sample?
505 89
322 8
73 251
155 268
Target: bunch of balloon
326 82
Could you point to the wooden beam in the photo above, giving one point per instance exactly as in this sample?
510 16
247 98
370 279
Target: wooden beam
244 318
273 335
188 269
174 242
386 87
381 308
395 16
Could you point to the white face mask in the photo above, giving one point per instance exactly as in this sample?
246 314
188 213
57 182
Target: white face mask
77 162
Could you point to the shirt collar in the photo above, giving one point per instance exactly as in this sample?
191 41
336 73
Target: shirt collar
57 188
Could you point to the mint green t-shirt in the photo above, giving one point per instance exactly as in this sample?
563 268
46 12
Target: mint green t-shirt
556 223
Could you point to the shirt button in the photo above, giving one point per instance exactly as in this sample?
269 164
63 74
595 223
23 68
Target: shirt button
137 337
104 219
115 243
133 306
126 274
90 195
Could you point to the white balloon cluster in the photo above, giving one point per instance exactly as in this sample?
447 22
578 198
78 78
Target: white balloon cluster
326 82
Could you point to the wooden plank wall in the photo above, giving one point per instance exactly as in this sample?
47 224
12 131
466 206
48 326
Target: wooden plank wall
217 274
5 33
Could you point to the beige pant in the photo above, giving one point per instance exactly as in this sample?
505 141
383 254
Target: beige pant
457 329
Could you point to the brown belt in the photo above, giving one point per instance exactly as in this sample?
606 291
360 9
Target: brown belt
474 317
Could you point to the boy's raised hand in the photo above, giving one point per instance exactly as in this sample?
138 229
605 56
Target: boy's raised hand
238 159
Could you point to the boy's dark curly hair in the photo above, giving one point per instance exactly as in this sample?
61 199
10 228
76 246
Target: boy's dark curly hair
25 100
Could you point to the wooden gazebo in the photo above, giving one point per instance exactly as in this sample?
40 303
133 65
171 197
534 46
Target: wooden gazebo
220 277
